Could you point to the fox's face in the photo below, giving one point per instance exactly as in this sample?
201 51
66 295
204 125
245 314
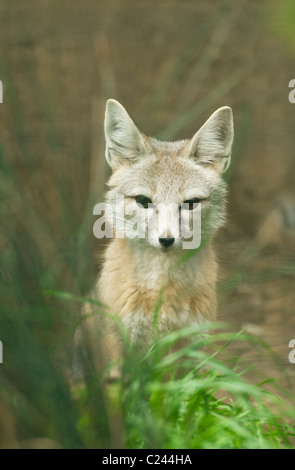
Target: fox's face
169 195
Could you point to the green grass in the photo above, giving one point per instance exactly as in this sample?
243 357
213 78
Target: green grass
188 399
282 21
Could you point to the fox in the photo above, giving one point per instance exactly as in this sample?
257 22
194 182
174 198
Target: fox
176 180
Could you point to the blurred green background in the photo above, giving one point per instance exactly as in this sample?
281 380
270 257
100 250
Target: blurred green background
171 63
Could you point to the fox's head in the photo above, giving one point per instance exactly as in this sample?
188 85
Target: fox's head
166 191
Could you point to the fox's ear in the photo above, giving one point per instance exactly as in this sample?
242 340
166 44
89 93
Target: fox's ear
124 142
211 145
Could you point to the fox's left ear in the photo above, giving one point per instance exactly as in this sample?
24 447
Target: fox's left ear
211 145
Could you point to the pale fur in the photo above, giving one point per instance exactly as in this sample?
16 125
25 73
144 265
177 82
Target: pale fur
136 272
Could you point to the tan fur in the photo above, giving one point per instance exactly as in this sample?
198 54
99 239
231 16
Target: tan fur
136 273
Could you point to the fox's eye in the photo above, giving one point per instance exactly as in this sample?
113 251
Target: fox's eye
143 201
189 204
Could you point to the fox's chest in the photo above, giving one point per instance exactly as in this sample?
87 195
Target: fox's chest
143 327
152 297
147 311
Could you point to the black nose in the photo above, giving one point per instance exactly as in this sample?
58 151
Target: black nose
166 242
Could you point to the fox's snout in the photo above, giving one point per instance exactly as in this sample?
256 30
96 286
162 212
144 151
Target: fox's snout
166 242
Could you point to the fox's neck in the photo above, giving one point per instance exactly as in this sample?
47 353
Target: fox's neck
154 269
133 279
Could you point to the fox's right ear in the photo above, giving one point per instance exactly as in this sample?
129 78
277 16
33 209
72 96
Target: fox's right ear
124 142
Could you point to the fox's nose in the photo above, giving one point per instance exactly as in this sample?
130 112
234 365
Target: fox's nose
166 242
